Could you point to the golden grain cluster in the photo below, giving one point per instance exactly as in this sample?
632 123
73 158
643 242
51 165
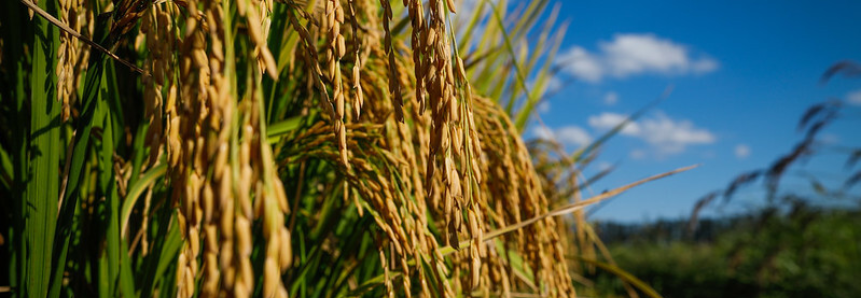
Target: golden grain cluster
220 160
72 55
446 165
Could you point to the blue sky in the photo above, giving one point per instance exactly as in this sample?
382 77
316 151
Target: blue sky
742 74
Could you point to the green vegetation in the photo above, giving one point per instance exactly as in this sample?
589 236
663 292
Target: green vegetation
802 253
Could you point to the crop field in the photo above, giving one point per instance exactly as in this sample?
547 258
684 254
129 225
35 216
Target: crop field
303 148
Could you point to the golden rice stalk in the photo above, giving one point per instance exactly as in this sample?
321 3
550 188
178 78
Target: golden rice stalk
420 38
445 114
331 19
218 195
463 163
516 193
71 53
394 77
452 135
358 99
258 20
214 129
270 201
126 15
185 147
158 30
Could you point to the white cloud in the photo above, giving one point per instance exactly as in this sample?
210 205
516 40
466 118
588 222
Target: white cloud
553 84
611 98
581 64
742 151
665 134
672 136
633 54
637 154
574 135
607 121
543 107
854 97
543 132
568 135
704 65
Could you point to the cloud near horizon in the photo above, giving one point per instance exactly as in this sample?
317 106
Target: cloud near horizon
567 135
630 54
666 135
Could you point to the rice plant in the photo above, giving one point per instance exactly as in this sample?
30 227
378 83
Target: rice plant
282 148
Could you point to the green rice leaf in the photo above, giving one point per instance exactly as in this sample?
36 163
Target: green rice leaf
135 191
43 185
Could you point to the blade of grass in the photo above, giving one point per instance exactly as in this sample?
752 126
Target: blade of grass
477 15
532 54
527 18
6 169
105 151
68 211
105 285
135 192
543 77
373 283
126 278
166 247
275 131
141 152
43 188
624 275
521 77
544 36
524 273
488 45
91 102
